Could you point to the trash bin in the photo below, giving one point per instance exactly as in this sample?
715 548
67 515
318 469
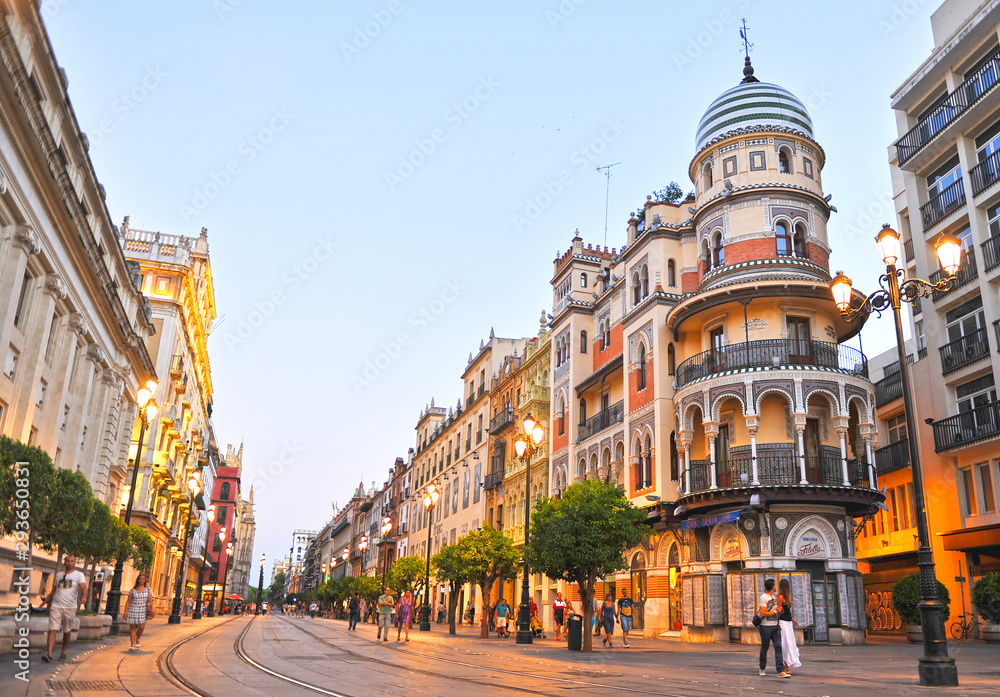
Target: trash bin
574 633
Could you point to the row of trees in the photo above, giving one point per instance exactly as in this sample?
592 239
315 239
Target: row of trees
63 516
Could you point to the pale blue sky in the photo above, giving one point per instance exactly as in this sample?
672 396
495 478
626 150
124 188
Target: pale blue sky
282 132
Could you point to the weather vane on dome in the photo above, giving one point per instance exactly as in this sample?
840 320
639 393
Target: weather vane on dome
747 48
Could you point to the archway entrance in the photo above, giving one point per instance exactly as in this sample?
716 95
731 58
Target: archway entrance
674 590
638 583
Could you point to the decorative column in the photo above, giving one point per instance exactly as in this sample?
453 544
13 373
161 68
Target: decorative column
840 424
685 441
871 461
711 432
752 429
800 429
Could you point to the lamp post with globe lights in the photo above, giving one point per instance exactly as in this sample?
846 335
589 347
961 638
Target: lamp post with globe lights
430 500
147 412
198 605
526 446
194 488
935 667
225 575
385 530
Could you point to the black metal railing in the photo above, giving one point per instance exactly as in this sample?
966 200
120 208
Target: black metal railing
978 424
796 253
893 456
504 418
942 203
948 109
779 468
991 251
967 272
986 173
888 389
768 353
917 307
964 351
921 352
614 414
468 444
479 436
493 479
908 249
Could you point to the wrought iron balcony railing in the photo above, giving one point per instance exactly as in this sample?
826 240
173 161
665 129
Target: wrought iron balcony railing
991 251
772 353
502 419
779 468
972 426
979 84
888 388
943 203
967 272
986 173
908 250
964 351
893 456
614 414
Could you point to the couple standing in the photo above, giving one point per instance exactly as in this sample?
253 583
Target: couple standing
777 627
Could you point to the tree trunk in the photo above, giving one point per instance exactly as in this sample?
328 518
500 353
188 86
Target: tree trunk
485 587
586 586
452 605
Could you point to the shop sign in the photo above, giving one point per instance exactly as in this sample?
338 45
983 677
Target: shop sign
710 520
809 546
731 549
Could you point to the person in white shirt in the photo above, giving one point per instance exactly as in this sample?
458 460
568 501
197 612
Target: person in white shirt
769 608
69 589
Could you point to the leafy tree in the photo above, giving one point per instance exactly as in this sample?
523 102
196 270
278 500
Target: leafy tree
141 549
369 587
489 557
906 595
986 597
276 591
450 565
671 193
39 484
98 542
407 574
583 536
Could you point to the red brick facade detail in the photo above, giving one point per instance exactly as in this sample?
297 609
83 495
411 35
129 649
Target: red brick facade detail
636 397
602 358
818 255
559 441
690 281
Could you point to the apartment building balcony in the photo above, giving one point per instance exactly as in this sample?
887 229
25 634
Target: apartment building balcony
176 366
942 204
888 388
504 418
493 479
967 273
771 353
892 457
985 174
946 115
991 251
967 428
964 351
908 250
613 415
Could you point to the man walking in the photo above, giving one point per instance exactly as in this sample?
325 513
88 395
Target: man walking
354 608
625 606
385 606
313 607
68 590
769 632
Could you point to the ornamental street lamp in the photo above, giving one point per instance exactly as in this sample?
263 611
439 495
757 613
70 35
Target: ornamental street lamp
225 575
526 446
210 516
385 529
935 667
430 500
194 488
147 412
260 583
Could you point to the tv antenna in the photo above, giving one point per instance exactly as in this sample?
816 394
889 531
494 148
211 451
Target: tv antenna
607 196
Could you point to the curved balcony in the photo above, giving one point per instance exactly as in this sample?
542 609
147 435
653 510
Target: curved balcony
772 353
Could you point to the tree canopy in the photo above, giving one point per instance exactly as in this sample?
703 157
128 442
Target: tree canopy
451 566
583 536
489 556
407 574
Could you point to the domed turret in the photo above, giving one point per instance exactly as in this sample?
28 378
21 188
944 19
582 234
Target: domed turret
752 103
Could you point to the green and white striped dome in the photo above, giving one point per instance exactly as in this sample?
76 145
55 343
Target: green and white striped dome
753 104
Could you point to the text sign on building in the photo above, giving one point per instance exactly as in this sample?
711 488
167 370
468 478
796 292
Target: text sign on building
809 546
754 324
710 520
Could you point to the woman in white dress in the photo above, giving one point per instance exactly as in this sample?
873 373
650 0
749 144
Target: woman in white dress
138 610
787 623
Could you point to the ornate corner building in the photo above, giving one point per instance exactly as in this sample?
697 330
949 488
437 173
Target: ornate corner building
702 368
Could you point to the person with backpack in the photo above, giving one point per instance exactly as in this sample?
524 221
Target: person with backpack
625 607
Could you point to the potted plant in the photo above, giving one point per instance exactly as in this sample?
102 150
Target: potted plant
986 598
906 596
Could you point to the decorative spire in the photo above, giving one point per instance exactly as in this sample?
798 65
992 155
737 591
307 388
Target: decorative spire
747 47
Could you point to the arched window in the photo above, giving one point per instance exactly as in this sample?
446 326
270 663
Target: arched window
674 473
671 360
782 241
671 274
718 252
224 495
583 280
636 289
583 411
707 177
647 450
562 417
784 163
799 241
607 333
641 368
583 342
644 275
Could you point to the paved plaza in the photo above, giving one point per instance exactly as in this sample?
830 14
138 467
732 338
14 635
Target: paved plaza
248 657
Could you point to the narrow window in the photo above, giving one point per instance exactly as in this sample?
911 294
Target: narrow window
22 301
583 280
583 342
641 368
707 177
799 241
671 360
718 252
784 165
781 239
583 411
671 274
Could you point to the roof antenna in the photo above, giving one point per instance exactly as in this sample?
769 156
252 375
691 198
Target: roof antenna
607 197
747 48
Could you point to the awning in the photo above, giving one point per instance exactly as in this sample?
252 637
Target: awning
600 374
971 538
710 520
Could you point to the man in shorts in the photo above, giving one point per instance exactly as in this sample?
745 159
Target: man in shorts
625 606
69 589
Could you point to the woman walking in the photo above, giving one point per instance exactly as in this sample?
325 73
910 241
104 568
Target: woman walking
609 614
404 610
138 609
787 623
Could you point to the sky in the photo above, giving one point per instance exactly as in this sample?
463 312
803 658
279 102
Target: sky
385 181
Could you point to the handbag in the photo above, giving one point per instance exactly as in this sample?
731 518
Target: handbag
757 619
